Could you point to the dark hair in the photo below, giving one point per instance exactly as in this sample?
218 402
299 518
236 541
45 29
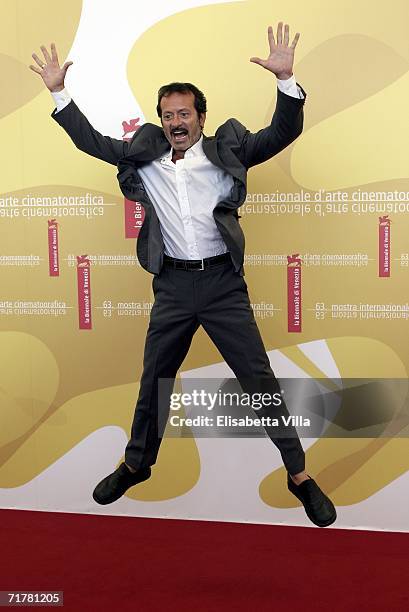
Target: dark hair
166 90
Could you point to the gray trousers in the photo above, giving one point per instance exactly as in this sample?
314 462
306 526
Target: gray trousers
217 299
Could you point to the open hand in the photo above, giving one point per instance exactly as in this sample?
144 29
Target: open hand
50 71
281 58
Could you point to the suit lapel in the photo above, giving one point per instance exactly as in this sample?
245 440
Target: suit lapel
223 158
150 144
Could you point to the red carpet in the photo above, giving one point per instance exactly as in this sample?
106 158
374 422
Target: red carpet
149 565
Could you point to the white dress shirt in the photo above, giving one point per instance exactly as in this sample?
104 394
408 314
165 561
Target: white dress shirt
185 193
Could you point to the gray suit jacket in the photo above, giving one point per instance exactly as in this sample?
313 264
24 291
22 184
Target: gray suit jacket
233 148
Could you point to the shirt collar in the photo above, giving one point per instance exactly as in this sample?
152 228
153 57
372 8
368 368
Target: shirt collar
195 150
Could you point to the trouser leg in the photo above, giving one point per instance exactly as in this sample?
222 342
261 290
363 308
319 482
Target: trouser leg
228 319
170 332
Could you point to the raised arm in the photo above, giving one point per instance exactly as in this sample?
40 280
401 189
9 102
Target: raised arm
287 121
71 119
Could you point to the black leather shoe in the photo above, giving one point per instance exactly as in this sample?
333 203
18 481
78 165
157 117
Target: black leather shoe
116 484
318 507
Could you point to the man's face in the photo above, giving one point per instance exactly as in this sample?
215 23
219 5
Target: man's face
181 122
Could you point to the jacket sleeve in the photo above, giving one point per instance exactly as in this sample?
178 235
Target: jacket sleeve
286 125
88 139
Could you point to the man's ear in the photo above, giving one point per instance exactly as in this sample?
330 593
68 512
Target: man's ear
202 119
